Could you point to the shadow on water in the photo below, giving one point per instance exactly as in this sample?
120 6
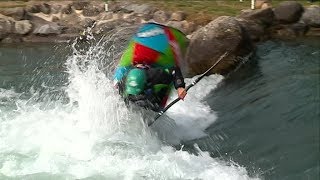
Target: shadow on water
268 112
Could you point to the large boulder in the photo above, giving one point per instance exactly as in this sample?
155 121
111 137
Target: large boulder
208 43
6 26
288 12
311 16
22 27
17 13
264 17
255 30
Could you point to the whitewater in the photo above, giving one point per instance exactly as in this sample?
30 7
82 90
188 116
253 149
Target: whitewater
84 130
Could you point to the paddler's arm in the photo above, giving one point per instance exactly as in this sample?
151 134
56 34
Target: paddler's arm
178 81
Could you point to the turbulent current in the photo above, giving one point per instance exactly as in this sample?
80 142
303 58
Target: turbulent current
61 118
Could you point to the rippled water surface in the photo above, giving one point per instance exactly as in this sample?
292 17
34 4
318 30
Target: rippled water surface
60 118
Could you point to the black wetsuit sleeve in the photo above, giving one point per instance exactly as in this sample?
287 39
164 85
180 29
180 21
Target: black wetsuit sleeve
178 78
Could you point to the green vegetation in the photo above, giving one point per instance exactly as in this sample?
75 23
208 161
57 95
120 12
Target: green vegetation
203 11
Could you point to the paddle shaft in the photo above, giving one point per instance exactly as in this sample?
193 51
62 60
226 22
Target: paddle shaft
187 88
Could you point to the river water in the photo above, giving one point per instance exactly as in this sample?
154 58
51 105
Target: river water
60 118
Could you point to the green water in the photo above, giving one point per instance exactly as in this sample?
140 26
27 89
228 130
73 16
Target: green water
269 112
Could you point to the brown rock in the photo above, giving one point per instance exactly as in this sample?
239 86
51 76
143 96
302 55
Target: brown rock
80 5
207 44
259 3
160 16
184 26
56 8
178 16
45 8
105 16
266 5
255 30
66 9
262 16
311 16
87 22
23 27
17 13
12 39
93 10
288 12
290 31
138 9
6 26
71 23
33 8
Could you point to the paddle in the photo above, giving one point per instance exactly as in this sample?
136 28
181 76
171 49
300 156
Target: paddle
187 88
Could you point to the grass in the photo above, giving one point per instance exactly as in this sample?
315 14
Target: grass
201 11
206 10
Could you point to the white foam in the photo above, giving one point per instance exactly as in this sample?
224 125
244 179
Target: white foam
95 134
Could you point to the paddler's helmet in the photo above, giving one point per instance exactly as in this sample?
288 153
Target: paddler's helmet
135 82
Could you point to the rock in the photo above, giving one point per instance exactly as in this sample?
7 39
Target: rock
71 23
105 16
17 13
12 39
66 9
311 16
313 32
114 6
47 29
288 12
92 10
55 19
207 44
178 16
259 3
87 22
43 27
255 30
55 8
290 31
6 26
80 5
160 16
266 5
184 26
45 8
139 9
34 8
106 26
23 27
261 16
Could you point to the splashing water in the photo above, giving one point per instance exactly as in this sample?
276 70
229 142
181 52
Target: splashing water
95 135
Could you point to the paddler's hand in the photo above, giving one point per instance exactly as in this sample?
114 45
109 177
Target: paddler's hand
181 93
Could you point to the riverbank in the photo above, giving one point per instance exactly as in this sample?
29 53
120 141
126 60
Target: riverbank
63 21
